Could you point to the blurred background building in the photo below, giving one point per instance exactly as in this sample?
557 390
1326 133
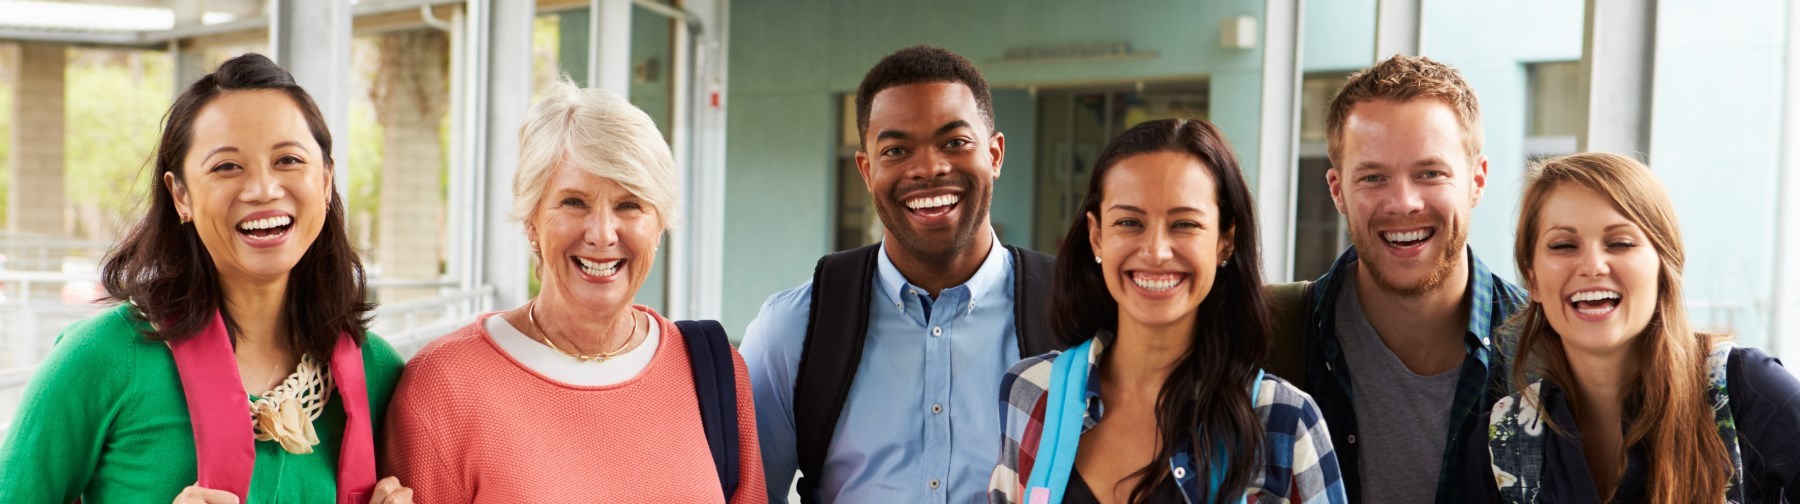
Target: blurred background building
755 96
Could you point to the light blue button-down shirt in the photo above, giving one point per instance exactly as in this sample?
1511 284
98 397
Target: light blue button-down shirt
920 424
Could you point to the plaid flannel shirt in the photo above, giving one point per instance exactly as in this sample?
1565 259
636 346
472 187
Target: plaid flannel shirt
1483 379
1298 462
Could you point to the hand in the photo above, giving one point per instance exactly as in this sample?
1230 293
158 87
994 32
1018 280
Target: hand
195 494
389 491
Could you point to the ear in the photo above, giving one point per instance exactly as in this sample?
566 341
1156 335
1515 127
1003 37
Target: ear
1227 242
1334 178
862 167
997 151
179 193
1093 222
1480 186
330 184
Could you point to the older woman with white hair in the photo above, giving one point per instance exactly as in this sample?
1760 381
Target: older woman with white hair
581 395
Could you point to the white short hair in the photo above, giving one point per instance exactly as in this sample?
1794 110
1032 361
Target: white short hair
601 133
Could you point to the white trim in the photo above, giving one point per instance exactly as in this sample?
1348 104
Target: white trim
1785 310
503 56
609 46
1618 65
1279 135
1399 28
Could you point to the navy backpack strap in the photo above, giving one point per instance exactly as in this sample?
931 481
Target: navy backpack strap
838 325
715 384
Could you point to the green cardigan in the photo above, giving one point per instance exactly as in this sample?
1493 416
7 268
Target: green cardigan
104 420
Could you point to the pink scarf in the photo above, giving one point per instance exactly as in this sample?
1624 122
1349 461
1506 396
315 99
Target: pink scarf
224 437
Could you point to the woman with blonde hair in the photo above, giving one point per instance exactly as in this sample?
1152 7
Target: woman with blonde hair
1618 398
580 395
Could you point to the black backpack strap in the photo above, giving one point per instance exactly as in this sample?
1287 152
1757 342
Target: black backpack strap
838 325
1288 334
1032 271
715 384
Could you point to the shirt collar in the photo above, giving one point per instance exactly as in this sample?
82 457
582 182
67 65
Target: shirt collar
992 273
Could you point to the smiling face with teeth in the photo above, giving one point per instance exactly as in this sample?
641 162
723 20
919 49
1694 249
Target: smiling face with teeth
255 184
1157 236
1406 185
1593 270
595 240
930 166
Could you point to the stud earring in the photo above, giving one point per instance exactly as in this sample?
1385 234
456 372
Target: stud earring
1224 263
1096 259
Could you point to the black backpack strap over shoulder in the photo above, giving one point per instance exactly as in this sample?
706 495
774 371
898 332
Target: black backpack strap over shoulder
1032 271
835 332
1288 335
715 384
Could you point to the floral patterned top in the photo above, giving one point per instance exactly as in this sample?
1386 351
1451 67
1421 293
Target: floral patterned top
1755 401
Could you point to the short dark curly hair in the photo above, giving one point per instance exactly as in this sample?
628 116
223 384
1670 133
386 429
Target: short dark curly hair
921 64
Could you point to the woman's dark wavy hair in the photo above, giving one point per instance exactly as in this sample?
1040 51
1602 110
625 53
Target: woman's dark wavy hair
1208 386
165 272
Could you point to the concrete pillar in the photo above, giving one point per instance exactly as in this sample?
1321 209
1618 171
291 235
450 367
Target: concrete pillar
36 203
412 97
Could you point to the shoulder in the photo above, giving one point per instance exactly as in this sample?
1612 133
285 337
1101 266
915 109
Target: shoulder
1284 405
108 338
381 362
457 352
1025 383
780 323
1754 375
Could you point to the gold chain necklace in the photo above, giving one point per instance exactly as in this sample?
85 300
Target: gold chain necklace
531 315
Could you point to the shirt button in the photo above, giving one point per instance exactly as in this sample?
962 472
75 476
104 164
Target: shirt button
935 484
937 409
937 331
1352 439
1180 472
915 292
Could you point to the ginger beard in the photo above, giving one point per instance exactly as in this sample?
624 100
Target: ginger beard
1372 252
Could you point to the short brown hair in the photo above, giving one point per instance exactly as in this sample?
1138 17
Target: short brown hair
1404 78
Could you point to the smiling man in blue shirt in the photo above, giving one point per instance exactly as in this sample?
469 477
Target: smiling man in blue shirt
877 380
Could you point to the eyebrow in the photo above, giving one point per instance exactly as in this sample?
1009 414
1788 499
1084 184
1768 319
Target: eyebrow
1172 211
286 143
946 128
1571 229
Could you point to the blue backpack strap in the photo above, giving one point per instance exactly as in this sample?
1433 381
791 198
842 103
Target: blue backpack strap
1716 376
1065 406
1516 445
715 384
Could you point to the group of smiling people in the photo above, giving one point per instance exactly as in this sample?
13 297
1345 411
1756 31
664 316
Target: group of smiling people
1148 361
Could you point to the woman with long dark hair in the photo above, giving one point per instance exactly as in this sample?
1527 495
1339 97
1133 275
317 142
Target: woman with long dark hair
236 366
1159 285
1618 398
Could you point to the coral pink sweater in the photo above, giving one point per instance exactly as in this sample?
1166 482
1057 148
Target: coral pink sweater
470 424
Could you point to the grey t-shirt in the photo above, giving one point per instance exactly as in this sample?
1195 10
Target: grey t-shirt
1402 418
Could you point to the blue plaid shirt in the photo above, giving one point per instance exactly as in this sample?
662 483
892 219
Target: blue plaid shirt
1483 380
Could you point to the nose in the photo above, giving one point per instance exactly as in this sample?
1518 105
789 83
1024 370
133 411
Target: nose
1407 200
1593 263
1158 250
602 229
932 164
263 186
